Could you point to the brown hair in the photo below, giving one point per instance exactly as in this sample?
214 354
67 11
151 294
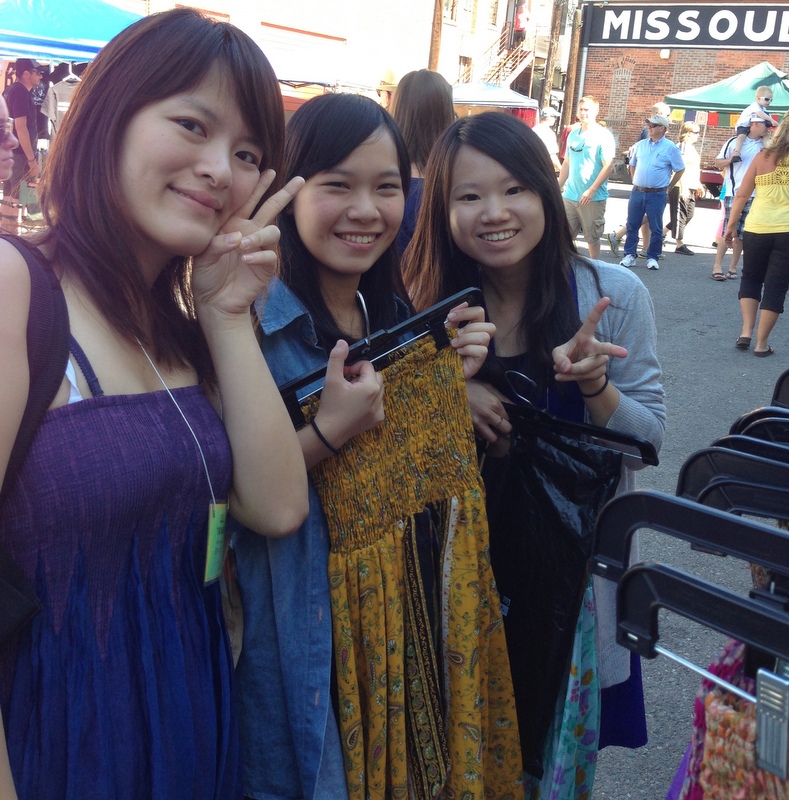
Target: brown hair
91 233
434 267
778 147
422 108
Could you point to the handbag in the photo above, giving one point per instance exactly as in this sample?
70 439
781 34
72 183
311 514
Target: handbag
47 352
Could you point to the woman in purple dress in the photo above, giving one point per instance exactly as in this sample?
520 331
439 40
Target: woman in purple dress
161 239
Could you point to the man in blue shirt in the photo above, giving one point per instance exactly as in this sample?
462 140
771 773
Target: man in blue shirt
651 166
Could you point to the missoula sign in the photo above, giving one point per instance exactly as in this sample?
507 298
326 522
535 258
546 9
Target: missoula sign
743 26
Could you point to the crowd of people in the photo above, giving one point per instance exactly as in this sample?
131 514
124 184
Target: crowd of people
207 256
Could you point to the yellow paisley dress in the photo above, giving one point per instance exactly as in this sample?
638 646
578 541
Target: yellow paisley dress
415 722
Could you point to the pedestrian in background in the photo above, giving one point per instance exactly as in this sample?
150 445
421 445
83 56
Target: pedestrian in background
765 265
544 129
734 173
682 197
656 166
584 175
422 108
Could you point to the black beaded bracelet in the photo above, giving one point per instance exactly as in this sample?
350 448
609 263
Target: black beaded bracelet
323 439
593 394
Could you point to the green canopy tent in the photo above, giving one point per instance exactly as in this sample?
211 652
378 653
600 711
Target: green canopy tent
732 95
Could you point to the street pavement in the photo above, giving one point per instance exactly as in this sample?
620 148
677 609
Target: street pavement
708 385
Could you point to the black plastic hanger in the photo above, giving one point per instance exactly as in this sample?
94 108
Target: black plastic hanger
742 497
684 519
704 466
378 347
745 420
781 391
526 410
776 451
646 588
771 429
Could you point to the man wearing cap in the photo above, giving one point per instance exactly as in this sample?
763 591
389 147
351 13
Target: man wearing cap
22 110
544 129
735 170
584 175
651 166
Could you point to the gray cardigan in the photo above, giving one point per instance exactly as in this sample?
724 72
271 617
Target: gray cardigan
629 322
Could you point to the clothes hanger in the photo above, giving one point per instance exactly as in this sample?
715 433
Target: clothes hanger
781 391
684 519
646 588
776 451
703 466
523 386
72 77
745 420
771 429
377 348
741 497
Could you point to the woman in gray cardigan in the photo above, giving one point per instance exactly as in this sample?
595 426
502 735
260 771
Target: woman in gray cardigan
584 332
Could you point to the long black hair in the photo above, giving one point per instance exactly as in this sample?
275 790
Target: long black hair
435 267
321 134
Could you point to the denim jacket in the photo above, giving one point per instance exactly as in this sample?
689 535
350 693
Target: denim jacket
289 737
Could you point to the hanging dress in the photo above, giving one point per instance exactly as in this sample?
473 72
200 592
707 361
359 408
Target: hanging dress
121 687
417 720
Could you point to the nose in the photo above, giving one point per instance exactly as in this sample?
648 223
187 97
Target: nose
495 209
216 165
363 207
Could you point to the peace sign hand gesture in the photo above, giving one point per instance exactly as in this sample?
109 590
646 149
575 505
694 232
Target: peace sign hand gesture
584 359
237 265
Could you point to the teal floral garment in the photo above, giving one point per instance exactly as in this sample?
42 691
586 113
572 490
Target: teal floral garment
570 755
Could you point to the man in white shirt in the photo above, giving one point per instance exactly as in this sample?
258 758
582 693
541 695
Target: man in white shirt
735 170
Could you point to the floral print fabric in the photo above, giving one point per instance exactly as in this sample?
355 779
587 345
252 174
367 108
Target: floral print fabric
415 722
571 744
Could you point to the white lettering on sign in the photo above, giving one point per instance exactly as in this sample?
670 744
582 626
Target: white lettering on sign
689 27
657 21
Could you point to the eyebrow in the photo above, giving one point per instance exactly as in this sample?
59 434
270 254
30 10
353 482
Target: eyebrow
343 171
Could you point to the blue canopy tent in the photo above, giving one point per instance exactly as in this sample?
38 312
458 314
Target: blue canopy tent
52 30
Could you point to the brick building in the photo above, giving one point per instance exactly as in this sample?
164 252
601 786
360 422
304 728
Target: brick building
629 80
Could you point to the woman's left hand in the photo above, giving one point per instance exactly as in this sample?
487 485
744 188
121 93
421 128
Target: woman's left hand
473 338
236 267
584 358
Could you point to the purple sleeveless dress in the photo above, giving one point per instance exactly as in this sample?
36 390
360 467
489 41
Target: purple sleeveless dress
121 687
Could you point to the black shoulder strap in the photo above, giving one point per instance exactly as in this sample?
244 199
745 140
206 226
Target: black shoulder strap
47 352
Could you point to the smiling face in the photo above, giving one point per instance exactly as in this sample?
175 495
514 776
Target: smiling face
186 164
347 216
493 218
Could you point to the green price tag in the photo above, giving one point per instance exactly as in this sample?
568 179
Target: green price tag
215 549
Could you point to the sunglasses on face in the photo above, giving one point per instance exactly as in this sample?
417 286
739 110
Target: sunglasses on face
767 99
652 125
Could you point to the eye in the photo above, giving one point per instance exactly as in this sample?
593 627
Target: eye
192 126
469 197
515 190
390 187
248 157
336 185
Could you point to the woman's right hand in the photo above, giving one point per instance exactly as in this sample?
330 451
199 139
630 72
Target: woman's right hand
491 422
352 400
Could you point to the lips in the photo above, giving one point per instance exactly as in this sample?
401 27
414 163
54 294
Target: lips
200 197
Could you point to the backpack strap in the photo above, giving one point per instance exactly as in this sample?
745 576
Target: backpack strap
47 352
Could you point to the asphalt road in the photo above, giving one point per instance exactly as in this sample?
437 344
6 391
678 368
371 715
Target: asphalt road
708 385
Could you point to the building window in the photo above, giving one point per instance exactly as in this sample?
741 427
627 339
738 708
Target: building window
451 9
494 13
464 69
